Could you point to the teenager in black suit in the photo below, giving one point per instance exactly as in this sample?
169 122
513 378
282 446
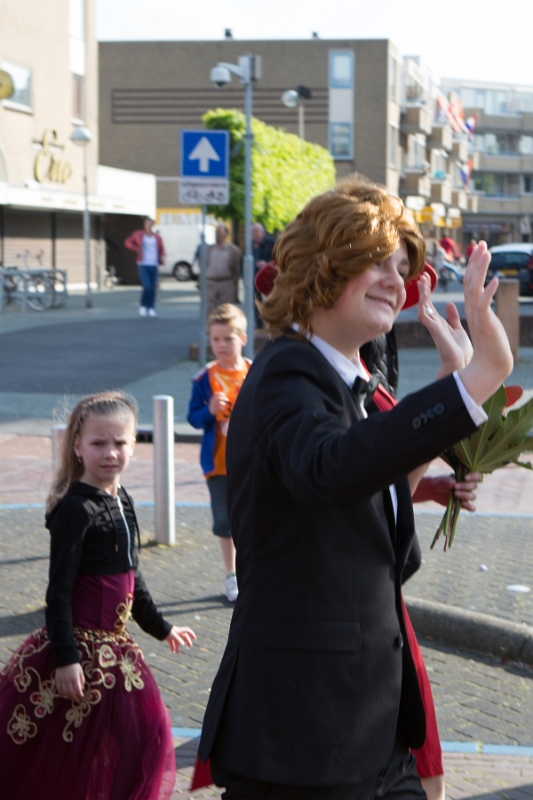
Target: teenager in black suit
316 695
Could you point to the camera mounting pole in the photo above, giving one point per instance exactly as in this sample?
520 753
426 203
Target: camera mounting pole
247 71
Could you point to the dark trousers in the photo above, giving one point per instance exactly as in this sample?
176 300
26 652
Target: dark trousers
148 276
398 781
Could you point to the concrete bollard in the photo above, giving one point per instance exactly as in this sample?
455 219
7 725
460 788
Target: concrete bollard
58 431
507 309
164 488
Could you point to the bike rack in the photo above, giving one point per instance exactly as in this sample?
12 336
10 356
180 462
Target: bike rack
11 278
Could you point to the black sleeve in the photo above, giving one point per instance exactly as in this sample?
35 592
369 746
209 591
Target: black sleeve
68 527
144 610
321 458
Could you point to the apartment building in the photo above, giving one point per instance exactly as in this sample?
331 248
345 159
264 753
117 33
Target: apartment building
502 177
50 57
436 153
149 91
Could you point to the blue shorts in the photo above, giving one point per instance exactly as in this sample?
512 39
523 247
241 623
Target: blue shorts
217 486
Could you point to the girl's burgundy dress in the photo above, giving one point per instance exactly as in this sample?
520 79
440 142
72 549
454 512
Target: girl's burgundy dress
115 743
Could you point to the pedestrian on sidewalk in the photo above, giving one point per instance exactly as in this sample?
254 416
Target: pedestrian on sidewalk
80 712
317 693
222 272
214 392
150 254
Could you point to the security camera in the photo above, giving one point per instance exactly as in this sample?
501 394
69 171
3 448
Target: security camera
220 76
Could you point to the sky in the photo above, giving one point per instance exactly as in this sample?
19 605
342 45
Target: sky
476 39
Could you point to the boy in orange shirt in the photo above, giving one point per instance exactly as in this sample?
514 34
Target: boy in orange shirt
214 392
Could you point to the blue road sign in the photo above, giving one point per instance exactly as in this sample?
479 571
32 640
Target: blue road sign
204 154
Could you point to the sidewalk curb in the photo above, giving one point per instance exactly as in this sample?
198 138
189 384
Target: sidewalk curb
482 633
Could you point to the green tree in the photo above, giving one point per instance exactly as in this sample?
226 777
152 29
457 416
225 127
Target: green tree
286 171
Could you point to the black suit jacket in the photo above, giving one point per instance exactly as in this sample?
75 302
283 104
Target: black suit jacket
317 673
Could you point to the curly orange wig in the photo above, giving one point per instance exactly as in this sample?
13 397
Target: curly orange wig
337 235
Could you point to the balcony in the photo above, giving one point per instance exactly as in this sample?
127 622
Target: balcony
512 204
441 138
521 122
514 163
416 183
460 199
416 119
473 203
441 191
460 151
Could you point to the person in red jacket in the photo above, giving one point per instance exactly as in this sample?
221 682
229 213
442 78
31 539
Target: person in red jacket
150 254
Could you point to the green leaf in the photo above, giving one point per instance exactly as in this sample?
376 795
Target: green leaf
501 440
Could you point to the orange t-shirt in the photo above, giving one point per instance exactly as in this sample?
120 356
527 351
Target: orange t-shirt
228 381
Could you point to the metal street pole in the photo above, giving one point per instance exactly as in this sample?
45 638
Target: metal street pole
248 261
87 234
301 128
164 487
203 294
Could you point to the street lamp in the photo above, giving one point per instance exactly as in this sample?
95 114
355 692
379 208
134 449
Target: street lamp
294 98
81 136
247 71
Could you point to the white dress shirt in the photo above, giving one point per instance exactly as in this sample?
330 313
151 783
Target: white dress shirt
351 368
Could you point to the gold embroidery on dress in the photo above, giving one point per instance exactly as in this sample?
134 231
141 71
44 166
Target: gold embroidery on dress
131 670
43 700
123 612
20 727
79 710
101 653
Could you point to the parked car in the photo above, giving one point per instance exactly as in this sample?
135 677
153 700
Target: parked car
181 244
514 260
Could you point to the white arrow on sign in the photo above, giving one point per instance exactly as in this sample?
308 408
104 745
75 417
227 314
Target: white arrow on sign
204 153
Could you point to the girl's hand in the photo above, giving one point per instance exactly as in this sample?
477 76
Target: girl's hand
180 637
438 489
70 681
492 361
451 339
218 402
465 491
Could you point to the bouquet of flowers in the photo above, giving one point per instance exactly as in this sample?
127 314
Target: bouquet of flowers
499 441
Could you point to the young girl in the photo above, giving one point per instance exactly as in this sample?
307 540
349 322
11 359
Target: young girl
81 716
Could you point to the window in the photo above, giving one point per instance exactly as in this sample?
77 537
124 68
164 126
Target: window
525 145
341 140
419 152
393 73
439 164
491 184
78 97
393 145
77 57
528 184
341 70
21 77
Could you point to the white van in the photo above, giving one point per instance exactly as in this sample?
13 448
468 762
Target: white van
181 243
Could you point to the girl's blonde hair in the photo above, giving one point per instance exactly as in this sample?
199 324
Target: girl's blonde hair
337 235
70 468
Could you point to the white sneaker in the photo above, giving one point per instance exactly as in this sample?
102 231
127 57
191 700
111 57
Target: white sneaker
232 591
143 311
152 312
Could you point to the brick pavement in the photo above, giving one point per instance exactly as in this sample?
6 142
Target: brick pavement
478 699
26 472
